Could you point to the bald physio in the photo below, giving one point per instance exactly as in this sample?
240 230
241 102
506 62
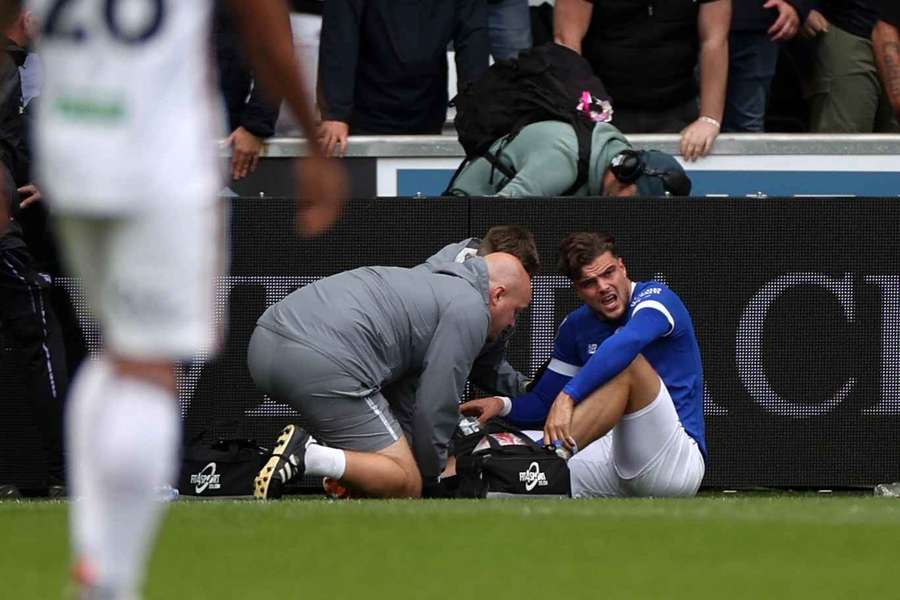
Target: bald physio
375 361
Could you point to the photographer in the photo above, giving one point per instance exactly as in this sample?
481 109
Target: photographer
542 161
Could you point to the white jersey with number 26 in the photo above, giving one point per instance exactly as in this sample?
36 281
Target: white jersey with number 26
127 117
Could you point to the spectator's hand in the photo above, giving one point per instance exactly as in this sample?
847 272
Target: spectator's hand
323 190
787 24
483 408
246 148
697 139
333 136
558 426
29 194
815 24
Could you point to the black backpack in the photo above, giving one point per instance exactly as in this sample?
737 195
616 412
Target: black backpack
547 83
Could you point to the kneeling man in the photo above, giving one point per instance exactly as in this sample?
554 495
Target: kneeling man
624 384
332 349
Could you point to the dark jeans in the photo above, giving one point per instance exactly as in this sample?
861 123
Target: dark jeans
29 325
662 120
751 68
509 28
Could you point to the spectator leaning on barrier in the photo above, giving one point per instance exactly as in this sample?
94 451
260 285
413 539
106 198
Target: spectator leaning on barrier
542 161
333 349
757 29
624 384
886 42
252 112
646 54
843 89
383 64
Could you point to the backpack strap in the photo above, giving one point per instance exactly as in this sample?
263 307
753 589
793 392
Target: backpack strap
583 135
448 191
493 159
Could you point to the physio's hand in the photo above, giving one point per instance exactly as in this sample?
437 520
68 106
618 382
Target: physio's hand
787 24
558 426
29 194
323 191
482 408
333 136
815 24
245 152
697 139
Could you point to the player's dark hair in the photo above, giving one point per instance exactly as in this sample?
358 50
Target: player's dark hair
582 248
512 239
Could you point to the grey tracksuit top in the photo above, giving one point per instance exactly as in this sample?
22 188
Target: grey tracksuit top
384 323
491 371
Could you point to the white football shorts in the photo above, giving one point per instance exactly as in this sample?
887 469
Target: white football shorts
648 453
150 278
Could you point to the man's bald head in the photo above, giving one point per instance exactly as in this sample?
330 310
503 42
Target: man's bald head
509 291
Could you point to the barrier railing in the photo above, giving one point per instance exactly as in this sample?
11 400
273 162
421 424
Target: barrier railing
739 165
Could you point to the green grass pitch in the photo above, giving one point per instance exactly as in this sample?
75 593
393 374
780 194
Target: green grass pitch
708 547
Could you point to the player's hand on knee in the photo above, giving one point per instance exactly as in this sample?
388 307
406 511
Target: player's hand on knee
484 409
558 425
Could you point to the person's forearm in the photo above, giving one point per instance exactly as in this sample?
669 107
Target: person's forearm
617 351
571 19
886 41
530 409
713 77
713 24
266 30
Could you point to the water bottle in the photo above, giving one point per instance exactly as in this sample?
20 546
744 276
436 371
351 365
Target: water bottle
469 425
560 450
167 493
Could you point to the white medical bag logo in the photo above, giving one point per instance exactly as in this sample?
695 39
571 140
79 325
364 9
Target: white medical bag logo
533 477
206 478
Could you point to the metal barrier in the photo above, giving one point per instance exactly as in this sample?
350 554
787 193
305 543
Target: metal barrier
740 165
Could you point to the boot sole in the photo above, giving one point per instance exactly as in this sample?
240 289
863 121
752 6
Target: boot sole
264 477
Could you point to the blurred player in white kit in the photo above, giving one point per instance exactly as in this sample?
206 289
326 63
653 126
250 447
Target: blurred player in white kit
126 154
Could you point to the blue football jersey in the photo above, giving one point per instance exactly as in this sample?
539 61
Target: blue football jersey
589 351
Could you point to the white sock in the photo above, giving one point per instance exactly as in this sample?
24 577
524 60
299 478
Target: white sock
325 462
86 398
132 451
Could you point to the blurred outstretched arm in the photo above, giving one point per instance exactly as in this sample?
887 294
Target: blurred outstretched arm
266 29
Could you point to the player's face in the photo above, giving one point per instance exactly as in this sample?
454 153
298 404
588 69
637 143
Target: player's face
604 286
506 306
